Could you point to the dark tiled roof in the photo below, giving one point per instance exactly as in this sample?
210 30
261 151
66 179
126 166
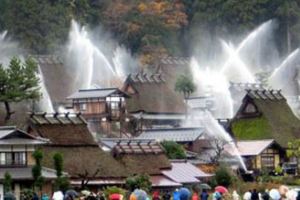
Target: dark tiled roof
173 134
96 93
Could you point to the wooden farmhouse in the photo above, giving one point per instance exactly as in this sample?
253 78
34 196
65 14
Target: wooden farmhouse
102 108
16 148
259 154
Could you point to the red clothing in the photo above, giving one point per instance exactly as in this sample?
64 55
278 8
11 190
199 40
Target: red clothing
195 196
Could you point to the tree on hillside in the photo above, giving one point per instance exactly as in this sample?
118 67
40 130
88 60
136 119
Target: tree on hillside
18 82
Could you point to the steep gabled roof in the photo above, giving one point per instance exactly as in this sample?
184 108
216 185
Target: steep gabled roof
10 135
152 95
265 114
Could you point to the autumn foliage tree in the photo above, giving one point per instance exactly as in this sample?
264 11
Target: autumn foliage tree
146 27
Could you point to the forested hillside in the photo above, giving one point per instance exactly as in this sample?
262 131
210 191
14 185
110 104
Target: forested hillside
147 27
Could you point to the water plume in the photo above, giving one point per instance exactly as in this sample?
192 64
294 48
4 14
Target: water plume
83 58
214 131
45 103
212 83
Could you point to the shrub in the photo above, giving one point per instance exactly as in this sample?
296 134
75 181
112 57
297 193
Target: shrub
114 190
173 150
140 181
223 176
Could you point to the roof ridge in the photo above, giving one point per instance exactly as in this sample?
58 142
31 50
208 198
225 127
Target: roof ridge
8 127
174 129
97 89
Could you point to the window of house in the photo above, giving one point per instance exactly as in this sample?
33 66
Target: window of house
12 158
114 105
250 108
267 161
82 106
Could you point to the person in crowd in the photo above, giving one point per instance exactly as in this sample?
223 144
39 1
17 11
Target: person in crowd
298 196
35 196
204 195
166 196
155 195
254 195
45 197
235 195
195 196
247 195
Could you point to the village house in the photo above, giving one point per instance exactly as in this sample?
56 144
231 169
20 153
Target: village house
83 159
89 165
103 109
153 103
259 154
147 156
16 148
265 114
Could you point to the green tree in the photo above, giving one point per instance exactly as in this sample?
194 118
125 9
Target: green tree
18 82
223 176
139 181
293 151
61 183
7 182
185 85
37 169
40 26
173 150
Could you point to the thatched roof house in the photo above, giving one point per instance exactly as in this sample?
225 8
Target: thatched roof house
265 114
151 94
70 136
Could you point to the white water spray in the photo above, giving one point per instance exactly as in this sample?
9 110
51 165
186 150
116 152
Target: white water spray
212 83
86 58
45 102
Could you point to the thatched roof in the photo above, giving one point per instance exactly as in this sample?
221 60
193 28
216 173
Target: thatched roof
151 94
62 130
85 160
57 79
150 164
265 115
141 157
